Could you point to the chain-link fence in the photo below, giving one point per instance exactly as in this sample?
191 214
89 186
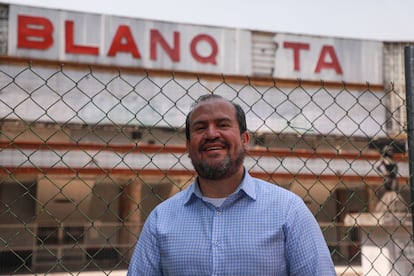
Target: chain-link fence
85 155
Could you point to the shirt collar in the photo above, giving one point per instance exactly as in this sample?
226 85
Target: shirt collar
248 186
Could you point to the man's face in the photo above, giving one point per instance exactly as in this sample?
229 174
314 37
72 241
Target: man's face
216 147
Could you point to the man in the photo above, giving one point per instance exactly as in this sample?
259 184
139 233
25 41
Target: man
227 222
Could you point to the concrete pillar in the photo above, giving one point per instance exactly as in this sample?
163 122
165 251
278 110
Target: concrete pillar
131 215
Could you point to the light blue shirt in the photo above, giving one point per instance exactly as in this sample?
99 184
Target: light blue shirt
261 229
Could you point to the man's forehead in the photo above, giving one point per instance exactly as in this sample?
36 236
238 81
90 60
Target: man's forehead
211 105
213 101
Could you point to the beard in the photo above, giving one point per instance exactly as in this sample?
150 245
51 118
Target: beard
219 170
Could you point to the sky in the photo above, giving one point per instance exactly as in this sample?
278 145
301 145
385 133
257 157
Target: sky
384 20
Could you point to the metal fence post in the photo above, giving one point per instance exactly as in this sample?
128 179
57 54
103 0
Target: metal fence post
409 91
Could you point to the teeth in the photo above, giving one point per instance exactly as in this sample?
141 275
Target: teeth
213 148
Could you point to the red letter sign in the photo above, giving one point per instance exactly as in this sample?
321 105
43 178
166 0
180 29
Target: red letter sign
296 46
333 64
124 33
173 53
214 49
71 47
34 32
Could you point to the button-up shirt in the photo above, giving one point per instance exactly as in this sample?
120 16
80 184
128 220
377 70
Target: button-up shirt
261 229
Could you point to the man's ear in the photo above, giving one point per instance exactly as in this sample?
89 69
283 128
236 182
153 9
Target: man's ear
187 145
245 139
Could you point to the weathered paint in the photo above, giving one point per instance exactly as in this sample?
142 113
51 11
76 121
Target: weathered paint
327 58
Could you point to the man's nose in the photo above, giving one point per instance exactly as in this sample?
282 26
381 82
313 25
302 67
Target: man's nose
212 131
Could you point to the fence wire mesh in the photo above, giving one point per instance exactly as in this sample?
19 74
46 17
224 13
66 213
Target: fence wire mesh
85 155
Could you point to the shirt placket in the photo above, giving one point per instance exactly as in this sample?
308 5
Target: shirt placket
217 241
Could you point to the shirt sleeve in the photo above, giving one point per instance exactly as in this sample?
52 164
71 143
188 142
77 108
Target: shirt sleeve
146 257
306 250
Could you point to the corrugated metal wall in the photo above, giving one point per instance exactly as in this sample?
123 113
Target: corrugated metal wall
4 27
394 79
263 54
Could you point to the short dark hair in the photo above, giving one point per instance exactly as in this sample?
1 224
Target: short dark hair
240 115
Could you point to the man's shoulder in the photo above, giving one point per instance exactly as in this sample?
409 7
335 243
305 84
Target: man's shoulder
265 185
273 190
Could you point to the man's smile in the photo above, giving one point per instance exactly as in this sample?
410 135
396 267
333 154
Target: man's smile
213 146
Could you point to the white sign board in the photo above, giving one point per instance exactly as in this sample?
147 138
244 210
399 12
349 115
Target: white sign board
120 41
68 36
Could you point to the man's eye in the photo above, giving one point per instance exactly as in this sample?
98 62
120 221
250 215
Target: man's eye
224 125
198 128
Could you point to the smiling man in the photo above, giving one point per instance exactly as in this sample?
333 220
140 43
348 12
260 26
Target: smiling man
217 145
227 222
